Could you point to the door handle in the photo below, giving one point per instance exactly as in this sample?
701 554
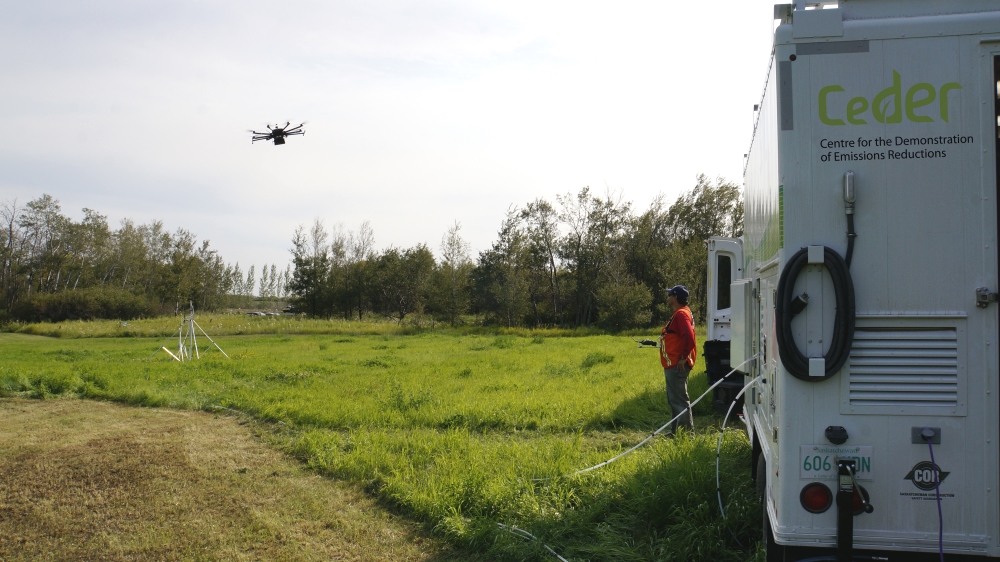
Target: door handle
984 297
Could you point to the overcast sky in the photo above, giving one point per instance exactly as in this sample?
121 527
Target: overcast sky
419 113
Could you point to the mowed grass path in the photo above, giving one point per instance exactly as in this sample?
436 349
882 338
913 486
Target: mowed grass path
87 480
452 428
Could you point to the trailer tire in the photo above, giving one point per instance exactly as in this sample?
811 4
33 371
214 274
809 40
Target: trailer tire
773 552
761 476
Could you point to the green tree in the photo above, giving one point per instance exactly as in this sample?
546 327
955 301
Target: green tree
358 287
542 231
500 276
403 279
644 250
46 253
594 227
451 281
623 301
311 262
709 209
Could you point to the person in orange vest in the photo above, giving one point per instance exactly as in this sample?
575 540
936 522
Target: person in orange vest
678 353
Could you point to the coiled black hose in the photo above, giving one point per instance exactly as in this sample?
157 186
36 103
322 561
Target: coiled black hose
850 240
843 327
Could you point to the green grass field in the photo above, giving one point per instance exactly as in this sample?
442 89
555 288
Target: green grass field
450 426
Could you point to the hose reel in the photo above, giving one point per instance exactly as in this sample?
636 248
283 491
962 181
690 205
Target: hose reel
794 361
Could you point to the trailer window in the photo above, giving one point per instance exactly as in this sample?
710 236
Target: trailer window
725 278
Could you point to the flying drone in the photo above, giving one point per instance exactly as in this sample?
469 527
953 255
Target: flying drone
278 134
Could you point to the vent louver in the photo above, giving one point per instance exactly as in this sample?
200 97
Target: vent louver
917 367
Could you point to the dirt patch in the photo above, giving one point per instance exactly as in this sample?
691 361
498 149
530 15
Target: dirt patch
83 480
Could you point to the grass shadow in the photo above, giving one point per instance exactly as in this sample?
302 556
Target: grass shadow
665 508
649 410
643 412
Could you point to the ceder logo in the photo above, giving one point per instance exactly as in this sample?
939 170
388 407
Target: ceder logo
922 475
856 109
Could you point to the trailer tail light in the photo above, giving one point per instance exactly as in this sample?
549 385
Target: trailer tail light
817 498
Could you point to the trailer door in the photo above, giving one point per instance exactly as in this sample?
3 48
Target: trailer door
725 265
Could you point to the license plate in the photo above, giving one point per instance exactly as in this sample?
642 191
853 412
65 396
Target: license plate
819 462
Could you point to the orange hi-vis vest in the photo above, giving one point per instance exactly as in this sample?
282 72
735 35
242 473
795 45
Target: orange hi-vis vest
677 340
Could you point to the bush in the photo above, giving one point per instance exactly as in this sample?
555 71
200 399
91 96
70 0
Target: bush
623 305
83 304
596 358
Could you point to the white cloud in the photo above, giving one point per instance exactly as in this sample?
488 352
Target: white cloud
420 113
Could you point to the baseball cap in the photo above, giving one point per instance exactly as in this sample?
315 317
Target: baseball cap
679 291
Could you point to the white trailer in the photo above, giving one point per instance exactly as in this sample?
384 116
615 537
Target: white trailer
884 114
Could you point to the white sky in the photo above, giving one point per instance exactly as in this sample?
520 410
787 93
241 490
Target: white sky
419 113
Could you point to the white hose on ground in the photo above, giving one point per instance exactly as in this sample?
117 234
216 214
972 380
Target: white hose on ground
651 435
526 535
718 449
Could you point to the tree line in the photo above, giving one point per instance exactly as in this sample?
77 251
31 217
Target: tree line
55 268
584 260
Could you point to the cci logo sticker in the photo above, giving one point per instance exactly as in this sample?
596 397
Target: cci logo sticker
922 475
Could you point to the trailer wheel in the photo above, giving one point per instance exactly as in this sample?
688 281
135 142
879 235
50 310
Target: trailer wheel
760 476
755 463
773 552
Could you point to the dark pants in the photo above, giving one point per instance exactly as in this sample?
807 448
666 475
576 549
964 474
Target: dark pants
677 395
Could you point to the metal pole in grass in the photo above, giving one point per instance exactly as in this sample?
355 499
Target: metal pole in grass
164 348
180 341
211 340
187 339
193 336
